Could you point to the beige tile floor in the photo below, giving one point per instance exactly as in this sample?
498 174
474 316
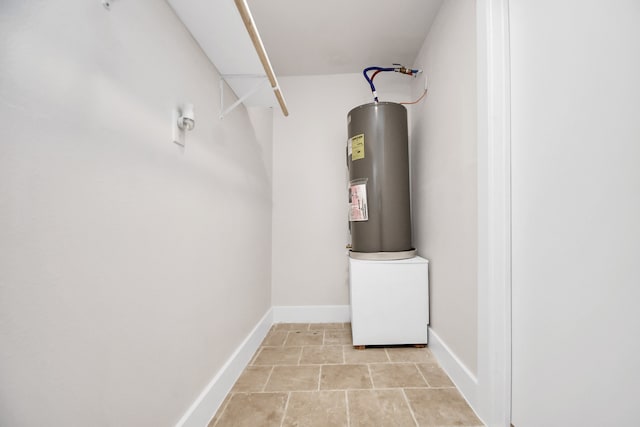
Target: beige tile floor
309 375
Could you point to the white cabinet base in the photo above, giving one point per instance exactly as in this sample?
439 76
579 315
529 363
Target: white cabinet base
389 301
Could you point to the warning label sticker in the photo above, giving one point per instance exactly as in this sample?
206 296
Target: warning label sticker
358 210
357 147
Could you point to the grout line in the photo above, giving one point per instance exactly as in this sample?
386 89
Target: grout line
422 375
344 389
286 340
319 377
373 384
299 357
264 387
346 400
446 388
226 404
255 357
406 399
286 406
334 363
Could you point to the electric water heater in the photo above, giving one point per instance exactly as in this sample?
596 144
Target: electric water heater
378 161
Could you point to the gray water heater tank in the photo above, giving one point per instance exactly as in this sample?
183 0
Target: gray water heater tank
378 161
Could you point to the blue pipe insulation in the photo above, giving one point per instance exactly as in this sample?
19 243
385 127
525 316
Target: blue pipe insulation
366 70
397 69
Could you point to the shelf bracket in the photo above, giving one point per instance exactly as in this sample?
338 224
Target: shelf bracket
257 87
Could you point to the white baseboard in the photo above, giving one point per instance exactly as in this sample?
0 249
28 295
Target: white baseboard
462 377
311 314
205 406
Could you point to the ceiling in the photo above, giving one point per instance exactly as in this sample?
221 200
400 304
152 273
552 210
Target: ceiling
306 37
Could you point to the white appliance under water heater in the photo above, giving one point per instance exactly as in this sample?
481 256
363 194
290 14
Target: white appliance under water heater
388 283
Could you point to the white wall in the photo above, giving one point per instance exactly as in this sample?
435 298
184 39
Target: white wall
310 228
576 209
130 268
444 176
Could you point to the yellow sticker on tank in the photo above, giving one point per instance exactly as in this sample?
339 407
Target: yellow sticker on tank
357 147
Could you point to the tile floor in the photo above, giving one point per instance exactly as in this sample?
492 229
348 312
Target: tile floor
310 375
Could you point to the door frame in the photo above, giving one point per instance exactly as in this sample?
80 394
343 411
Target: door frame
494 213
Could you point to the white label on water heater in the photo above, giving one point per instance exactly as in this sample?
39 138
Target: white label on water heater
358 210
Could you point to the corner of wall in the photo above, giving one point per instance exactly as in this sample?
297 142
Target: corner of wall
462 377
209 400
